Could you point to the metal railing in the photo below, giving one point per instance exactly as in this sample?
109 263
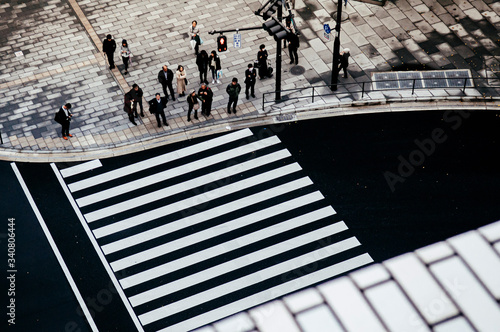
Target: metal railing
362 90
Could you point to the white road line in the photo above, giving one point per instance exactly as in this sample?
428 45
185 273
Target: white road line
204 197
97 249
248 280
171 266
269 294
176 171
53 245
187 185
219 229
242 261
152 162
211 213
186 241
83 167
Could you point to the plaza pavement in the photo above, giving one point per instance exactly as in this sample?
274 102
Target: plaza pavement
61 62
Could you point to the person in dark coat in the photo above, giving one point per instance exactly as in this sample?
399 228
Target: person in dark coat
344 61
293 46
233 90
137 94
206 96
157 106
192 100
109 47
262 59
165 77
202 63
250 78
214 65
129 107
63 117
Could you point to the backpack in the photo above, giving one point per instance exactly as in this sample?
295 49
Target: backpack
58 118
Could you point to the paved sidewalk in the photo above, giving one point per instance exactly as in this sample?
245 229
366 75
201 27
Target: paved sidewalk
61 62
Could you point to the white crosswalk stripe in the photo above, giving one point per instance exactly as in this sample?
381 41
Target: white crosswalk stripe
229 227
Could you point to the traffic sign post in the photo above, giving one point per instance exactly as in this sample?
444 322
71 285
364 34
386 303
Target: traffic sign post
326 35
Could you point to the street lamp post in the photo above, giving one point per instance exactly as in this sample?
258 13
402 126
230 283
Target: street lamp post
277 96
336 48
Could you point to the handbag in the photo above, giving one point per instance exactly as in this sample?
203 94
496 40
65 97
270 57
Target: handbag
196 107
186 81
58 118
219 73
201 40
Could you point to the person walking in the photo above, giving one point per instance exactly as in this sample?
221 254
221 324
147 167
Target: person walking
137 94
293 46
109 47
214 64
194 33
233 90
344 61
202 63
63 117
129 107
180 74
250 78
262 60
125 52
192 100
206 96
157 106
165 77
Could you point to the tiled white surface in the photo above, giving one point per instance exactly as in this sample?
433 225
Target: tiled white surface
303 300
481 258
497 247
370 276
426 294
459 324
491 232
273 317
238 323
349 305
394 308
434 252
318 319
468 293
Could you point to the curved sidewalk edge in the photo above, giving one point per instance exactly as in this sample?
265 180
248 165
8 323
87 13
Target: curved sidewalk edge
253 120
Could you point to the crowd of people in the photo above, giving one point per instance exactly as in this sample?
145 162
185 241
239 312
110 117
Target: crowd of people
205 63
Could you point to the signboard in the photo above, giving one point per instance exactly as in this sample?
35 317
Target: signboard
327 28
326 35
237 40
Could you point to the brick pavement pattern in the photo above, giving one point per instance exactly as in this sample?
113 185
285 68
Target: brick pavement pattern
61 61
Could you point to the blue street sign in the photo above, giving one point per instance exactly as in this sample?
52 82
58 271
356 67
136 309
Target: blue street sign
326 27
237 40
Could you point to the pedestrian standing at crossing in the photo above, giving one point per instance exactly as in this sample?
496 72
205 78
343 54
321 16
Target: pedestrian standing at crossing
137 94
129 107
157 106
250 78
262 60
293 46
165 77
344 61
206 96
109 47
193 104
194 33
180 74
214 65
202 63
125 52
233 90
63 116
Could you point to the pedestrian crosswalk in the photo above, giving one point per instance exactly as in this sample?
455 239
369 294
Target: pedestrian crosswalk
213 228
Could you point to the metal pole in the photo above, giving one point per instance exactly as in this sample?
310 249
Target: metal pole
336 47
278 59
363 92
312 101
413 87
465 84
263 101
